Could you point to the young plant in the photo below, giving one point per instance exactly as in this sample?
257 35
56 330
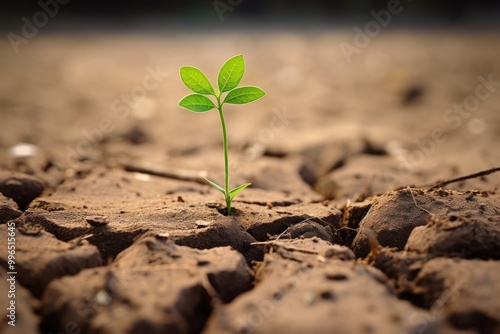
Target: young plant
229 77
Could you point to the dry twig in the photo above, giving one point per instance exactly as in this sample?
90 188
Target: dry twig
415 201
288 248
156 170
466 177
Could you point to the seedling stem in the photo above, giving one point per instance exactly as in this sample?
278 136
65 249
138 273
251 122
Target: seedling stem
226 156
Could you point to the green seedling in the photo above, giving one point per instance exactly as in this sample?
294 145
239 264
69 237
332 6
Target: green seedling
229 77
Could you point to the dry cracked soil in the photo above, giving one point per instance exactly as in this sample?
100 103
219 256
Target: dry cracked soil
342 231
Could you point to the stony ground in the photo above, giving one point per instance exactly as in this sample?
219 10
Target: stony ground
342 230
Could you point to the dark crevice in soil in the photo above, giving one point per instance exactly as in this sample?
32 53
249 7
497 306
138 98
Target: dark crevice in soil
279 226
201 314
223 211
475 320
272 203
262 232
373 149
275 153
109 243
218 237
21 188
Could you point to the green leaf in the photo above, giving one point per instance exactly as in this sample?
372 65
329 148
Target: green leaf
196 80
216 186
196 103
244 94
236 190
231 73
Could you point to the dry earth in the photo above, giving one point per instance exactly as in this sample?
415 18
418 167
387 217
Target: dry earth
116 231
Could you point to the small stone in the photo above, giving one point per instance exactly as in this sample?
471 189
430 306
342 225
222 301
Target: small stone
163 236
97 221
142 177
213 205
103 298
23 150
202 223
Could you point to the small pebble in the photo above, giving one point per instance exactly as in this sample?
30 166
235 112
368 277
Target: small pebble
213 205
142 177
103 298
23 150
97 221
163 236
202 223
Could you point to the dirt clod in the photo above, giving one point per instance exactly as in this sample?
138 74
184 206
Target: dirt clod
22 188
462 292
36 268
327 294
154 285
8 209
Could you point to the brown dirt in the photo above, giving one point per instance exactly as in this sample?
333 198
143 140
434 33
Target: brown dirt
124 236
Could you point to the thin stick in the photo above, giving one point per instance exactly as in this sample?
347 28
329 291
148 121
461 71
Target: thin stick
415 201
281 234
157 170
349 228
463 178
78 240
288 248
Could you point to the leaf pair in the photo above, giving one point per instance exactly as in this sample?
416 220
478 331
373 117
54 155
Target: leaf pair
232 193
229 77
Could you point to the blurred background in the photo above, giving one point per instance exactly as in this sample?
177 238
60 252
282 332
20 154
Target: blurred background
447 11
421 12
356 90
